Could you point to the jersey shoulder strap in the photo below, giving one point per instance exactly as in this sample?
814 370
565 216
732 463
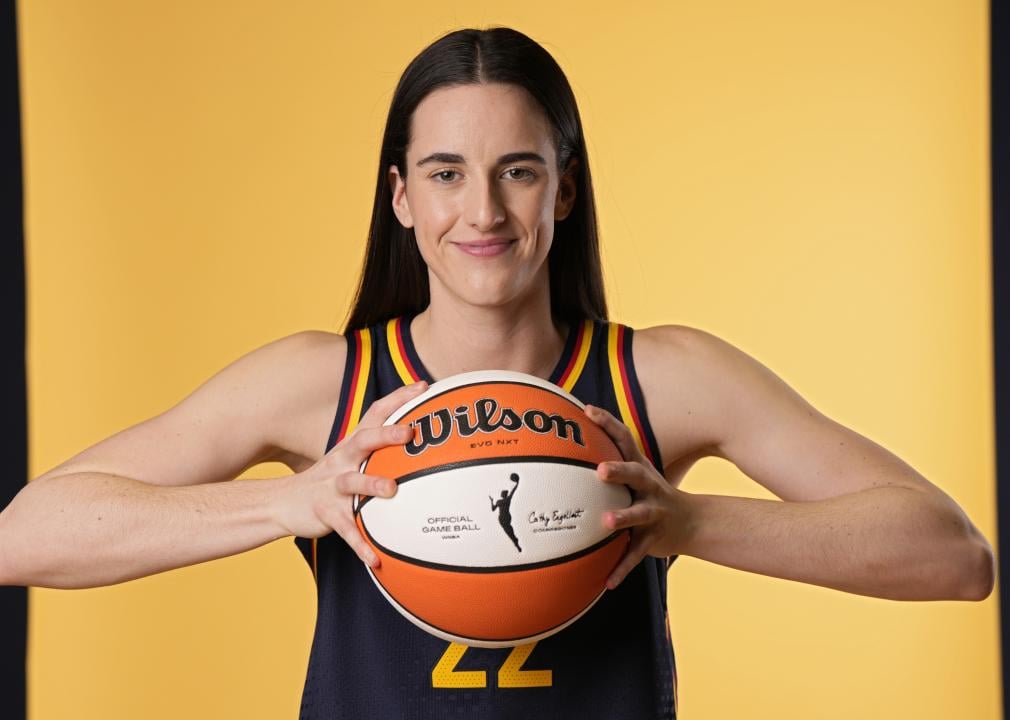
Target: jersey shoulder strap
628 392
608 378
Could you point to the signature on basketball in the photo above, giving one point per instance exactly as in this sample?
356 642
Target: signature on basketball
487 418
559 518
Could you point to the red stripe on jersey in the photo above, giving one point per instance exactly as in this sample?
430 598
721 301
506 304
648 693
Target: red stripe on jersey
403 352
573 357
630 395
354 384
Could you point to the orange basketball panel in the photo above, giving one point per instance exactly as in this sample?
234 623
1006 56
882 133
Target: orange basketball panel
567 430
499 605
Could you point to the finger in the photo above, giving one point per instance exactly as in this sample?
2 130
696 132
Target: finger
382 408
356 483
637 514
617 430
634 554
633 474
343 524
364 441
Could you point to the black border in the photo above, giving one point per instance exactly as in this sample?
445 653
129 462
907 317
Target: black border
998 65
13 599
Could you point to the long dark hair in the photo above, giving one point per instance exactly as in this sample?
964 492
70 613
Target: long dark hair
394 279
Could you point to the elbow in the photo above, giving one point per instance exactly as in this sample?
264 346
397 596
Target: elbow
968 558
986 575
977 570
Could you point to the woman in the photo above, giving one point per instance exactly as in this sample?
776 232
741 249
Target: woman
483 253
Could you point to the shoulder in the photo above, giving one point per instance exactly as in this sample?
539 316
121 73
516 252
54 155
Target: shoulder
316 345
671 365
700 389
681 345
728 404
301 374
301 360
263 406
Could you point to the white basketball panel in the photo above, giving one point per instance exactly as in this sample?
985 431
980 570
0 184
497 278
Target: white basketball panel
446 517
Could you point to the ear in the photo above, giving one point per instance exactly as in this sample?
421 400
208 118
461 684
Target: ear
399 188
565 199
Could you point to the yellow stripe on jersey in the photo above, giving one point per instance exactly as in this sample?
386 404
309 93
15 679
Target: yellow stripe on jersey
623 401
364 366
580 359
395 352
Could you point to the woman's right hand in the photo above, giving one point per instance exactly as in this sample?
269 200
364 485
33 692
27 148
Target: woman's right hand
319 500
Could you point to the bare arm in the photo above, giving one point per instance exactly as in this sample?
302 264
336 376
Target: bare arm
162 494
855 518
888 542
516 487
93 529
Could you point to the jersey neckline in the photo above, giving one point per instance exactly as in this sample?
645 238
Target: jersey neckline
574 330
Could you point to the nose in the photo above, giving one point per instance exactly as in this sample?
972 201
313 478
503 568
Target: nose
484 208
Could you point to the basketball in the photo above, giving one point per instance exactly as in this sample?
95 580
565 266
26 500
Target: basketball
495 535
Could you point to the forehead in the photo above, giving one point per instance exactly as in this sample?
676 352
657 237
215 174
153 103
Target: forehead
478 120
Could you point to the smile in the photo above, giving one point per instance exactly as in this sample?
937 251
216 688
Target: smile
487 250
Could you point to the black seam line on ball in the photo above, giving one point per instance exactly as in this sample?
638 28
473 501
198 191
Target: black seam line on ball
459 464
496 568
518 640
493 382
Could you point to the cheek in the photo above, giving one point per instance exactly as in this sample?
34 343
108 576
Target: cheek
536 213
433 216
545 236
547 207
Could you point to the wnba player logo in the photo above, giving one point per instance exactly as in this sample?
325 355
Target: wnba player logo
504 516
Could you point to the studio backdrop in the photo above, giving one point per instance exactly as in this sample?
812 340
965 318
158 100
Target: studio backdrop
806 180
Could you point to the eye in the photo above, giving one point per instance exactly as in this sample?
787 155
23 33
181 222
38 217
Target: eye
445 177
529 174
440 173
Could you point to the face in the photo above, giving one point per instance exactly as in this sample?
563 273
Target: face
462 187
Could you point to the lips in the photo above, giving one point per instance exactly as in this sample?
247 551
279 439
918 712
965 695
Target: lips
486 248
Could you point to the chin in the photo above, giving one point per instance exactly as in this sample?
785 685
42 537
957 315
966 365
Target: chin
490 298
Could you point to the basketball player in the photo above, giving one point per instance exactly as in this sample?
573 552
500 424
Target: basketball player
483 253
504 516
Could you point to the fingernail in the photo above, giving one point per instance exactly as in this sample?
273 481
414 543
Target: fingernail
419 385
372 560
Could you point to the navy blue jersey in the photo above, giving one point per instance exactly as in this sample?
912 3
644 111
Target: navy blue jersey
368 661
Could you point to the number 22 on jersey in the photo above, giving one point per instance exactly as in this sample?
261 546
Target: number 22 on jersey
510 674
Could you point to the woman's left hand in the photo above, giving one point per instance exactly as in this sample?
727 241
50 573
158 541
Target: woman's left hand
660 515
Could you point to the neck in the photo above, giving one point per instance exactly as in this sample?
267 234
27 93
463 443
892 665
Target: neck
453 338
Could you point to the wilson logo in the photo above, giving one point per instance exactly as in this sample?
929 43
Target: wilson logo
485 416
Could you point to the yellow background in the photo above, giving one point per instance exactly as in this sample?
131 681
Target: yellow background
807 180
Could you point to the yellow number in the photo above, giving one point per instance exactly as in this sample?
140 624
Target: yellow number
510 675
445 674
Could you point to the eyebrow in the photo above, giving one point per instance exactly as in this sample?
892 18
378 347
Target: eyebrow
444 157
